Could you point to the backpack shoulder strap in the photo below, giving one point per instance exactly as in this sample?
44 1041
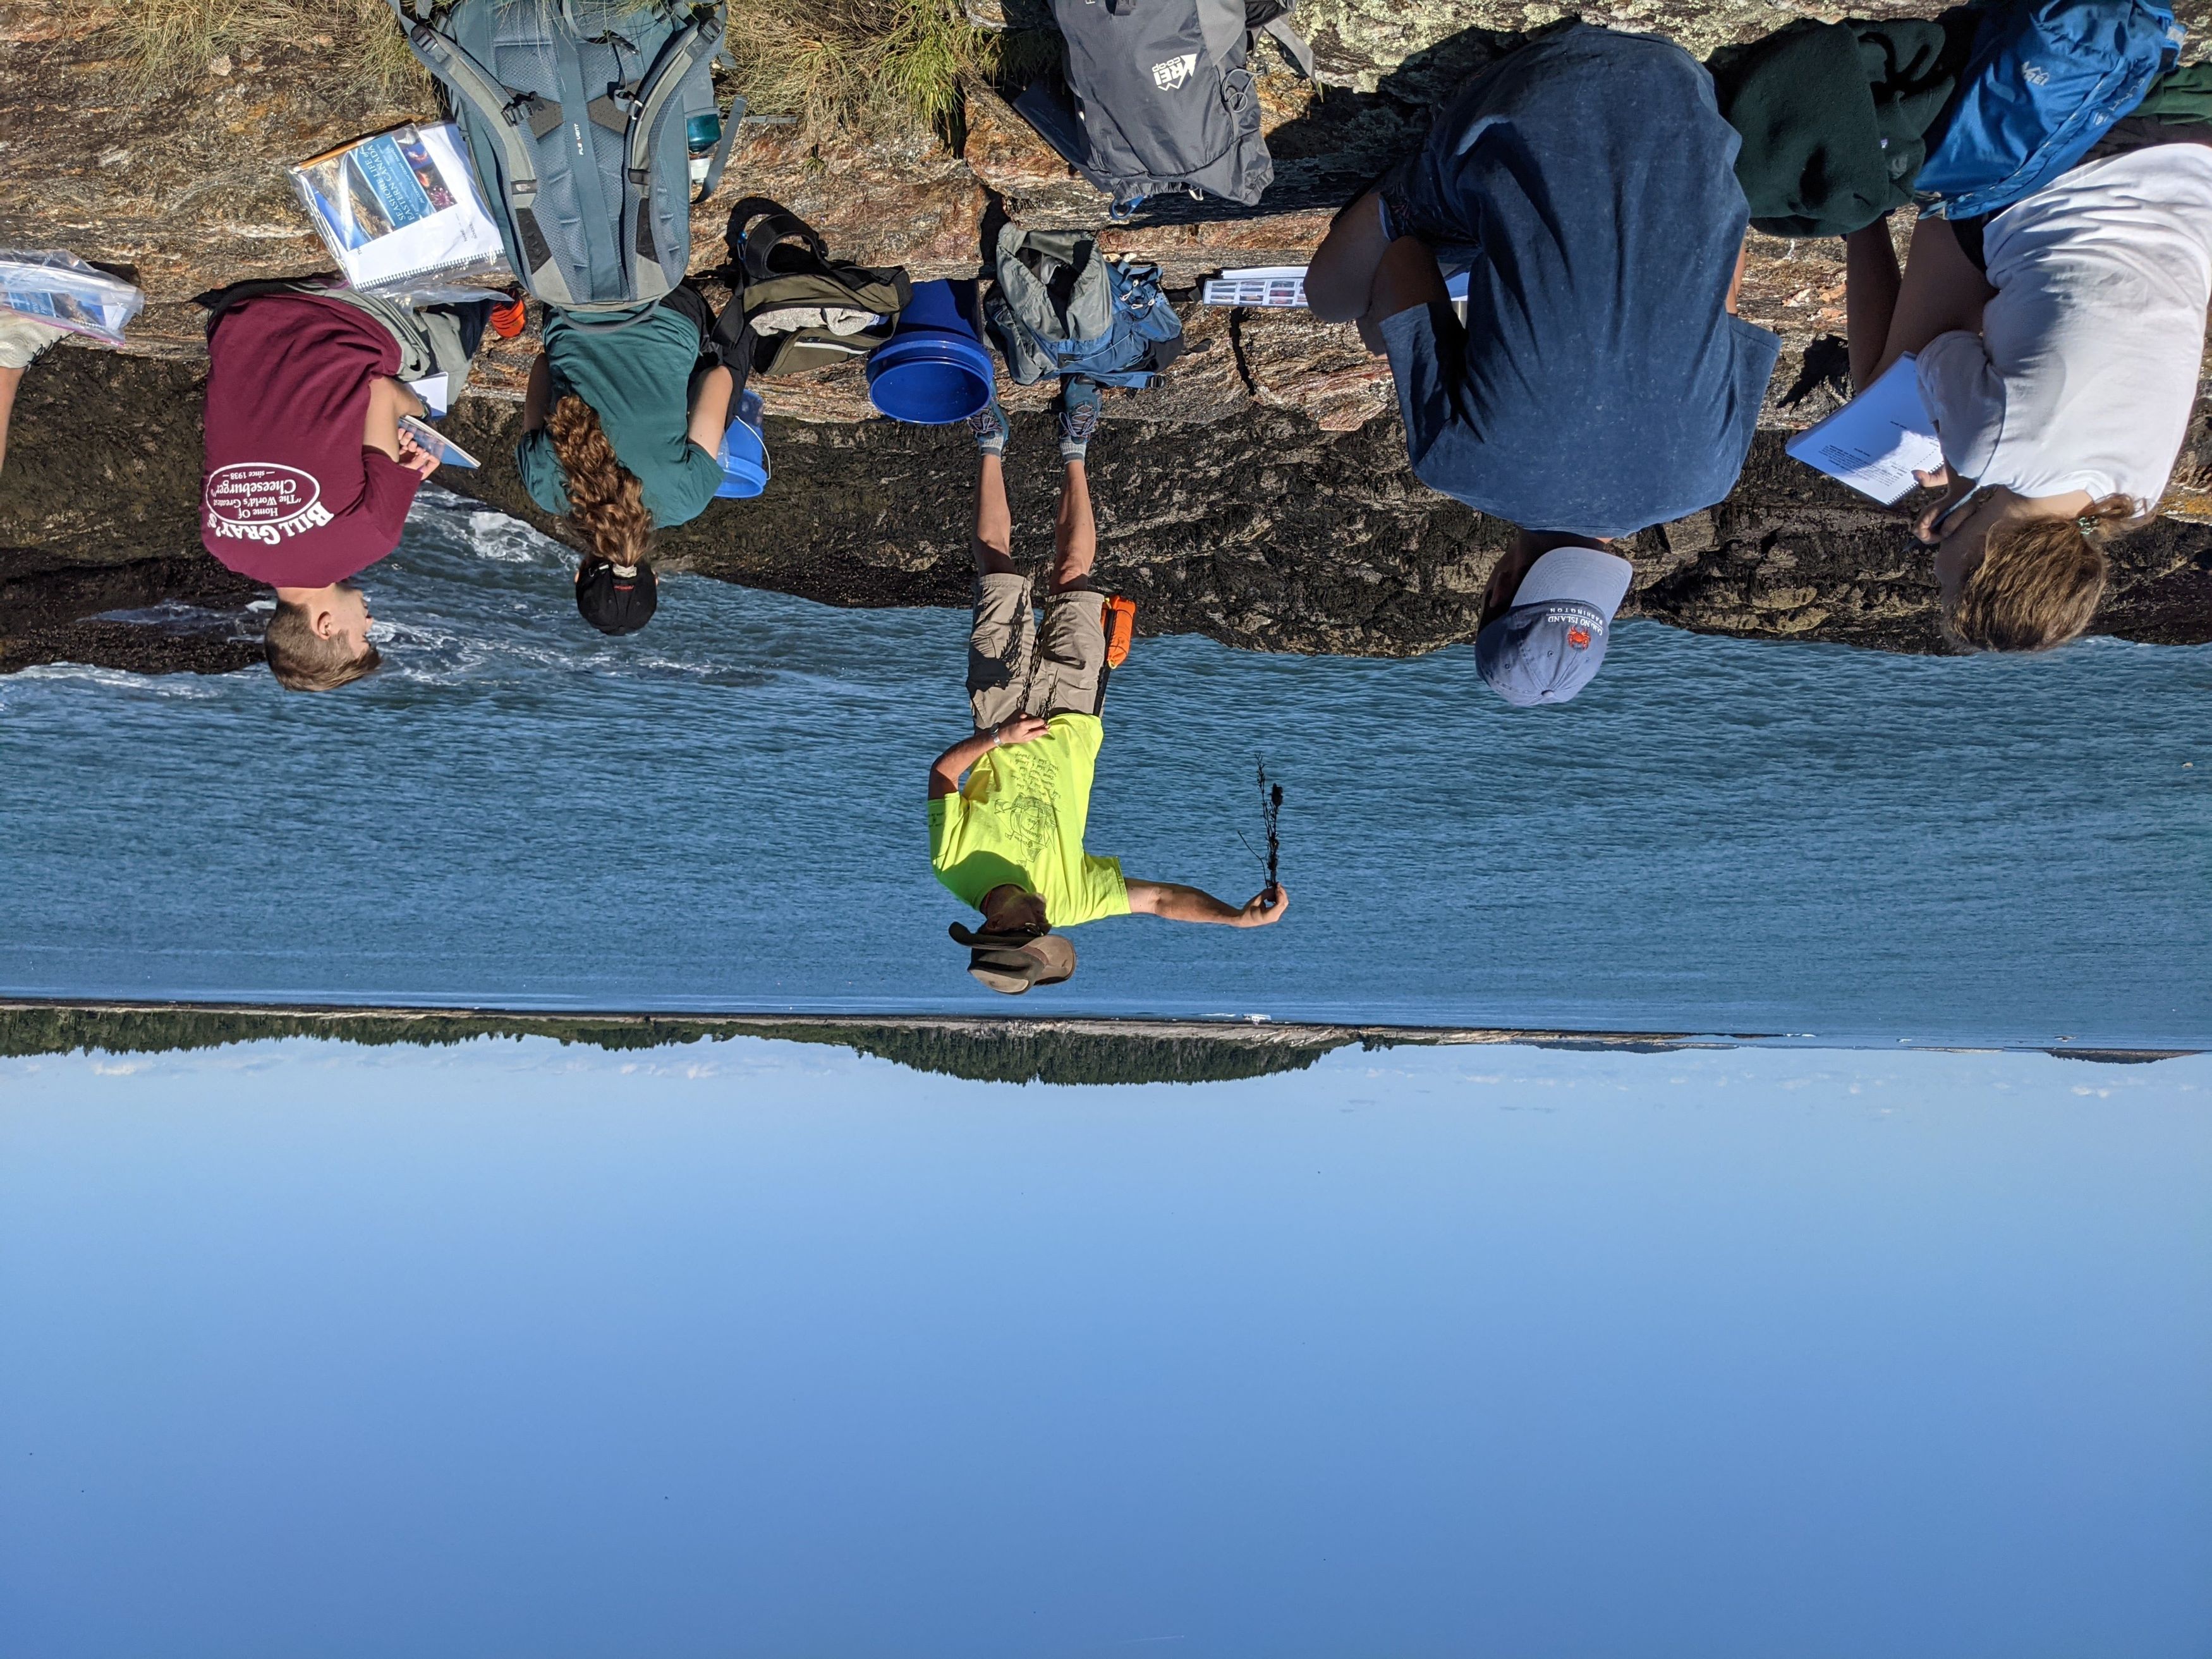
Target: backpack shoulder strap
1221 25
1272 19
721 156
772 228
504 114
1295 45
695 44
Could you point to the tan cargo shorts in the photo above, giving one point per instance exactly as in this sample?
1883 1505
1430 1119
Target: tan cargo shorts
1016 666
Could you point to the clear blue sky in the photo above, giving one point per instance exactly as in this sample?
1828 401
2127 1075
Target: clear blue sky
756 1349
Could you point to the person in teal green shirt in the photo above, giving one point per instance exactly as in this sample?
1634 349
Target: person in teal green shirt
620 431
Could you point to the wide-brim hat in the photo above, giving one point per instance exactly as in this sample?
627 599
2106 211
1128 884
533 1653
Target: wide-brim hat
1011 962
1551 642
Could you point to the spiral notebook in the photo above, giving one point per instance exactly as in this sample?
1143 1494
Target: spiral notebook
400 208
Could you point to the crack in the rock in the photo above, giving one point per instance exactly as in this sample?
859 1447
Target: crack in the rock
1236 353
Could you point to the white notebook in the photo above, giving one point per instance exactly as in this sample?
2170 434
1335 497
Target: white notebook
1875 442
399 207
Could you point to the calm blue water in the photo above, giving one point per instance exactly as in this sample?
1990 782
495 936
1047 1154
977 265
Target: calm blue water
728 813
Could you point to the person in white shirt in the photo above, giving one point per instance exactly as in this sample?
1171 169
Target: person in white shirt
2060 367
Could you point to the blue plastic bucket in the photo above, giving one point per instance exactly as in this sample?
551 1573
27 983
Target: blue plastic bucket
933 370
743 453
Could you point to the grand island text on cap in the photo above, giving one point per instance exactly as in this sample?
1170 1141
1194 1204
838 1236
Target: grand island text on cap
1549 645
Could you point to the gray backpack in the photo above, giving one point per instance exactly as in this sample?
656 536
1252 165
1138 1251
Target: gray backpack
575 114
1160 98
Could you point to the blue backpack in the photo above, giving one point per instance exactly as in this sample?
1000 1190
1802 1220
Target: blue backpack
576 115
1059 309
2047 80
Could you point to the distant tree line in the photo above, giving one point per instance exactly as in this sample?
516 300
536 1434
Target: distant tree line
1002 1055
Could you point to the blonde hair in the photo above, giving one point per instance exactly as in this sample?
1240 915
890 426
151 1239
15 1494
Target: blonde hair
303 660
606 500
2039 580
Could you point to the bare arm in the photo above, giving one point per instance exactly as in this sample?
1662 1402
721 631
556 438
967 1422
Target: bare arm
949 768
710 410
1939 291
388 400
1870 281
1408 277
1179 903
537 395
1340 279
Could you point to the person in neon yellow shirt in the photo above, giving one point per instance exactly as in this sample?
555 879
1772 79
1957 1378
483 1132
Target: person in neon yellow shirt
1008 806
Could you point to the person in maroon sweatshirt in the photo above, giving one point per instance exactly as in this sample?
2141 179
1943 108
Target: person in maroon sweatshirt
309 477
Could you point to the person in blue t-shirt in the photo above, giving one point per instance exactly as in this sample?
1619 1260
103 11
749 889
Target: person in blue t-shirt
1601 382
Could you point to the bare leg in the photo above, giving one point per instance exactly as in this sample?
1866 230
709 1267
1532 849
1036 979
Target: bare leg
1074 533
993 540
1870 283
1342 272
1406 276
9 379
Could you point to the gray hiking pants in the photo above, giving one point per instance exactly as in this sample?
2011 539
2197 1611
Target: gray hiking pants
1016 667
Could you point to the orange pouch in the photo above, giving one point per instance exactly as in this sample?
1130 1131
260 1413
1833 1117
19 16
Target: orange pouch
1120 620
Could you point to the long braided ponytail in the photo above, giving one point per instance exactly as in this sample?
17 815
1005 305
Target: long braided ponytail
604 497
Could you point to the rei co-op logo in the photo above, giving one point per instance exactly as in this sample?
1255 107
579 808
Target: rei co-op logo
262 502
1176 70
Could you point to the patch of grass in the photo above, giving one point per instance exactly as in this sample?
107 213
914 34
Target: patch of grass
171 42
875 68
866 66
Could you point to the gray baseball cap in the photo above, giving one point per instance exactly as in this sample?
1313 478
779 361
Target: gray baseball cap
1549 645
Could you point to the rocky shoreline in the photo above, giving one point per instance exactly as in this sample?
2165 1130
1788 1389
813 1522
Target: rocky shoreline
1261 496
1258 528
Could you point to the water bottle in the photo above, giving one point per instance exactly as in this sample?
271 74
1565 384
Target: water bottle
701 133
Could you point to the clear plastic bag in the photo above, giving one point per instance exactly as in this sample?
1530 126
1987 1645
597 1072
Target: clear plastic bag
401 210
60 289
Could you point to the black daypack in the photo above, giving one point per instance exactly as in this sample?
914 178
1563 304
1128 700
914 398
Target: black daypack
804 309
1160 98
574 113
